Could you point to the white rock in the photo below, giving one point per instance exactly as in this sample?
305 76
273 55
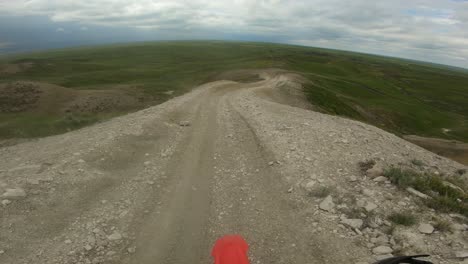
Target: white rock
370 207
26 168
413 240
426 228
361 203
310 185
327 204
68 241
184 123
88 247
459 227
463 254
374 172
115 236
382 250
16 193
33 181
6 202
384 256
354 223
417 193
131 250
381 179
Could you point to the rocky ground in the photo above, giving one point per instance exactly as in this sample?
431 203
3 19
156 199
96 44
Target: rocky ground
160 185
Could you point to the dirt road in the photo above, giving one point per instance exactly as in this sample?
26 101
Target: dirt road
160 185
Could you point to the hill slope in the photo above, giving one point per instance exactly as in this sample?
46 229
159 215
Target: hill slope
403 97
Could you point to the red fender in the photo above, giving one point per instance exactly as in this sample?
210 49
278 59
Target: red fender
231 249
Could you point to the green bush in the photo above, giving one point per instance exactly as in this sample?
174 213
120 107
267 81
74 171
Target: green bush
405 219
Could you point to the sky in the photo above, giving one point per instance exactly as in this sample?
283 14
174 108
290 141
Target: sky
427 30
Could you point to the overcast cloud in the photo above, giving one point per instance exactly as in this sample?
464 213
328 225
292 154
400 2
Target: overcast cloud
429 30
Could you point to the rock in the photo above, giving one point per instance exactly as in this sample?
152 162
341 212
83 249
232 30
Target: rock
381 240
131 250
327 204
374 172
414 241
310 185
68 241
458 227
31 168
380 179
367 192
417 193
110 253
382 250
6 202
354 223
2 252
271 163
184 123
426 228
361 203
370 207
88 247
353 179
463 254
115 236
32 181
382 257
16 193
453 186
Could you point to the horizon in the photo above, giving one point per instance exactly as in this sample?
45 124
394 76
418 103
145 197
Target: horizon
430 31
132 43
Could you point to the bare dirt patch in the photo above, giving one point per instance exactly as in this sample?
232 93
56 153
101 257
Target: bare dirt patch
22 96
13 68
452 149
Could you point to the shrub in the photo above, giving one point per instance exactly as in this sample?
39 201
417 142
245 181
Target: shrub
404 218
442 225
444 197
417 162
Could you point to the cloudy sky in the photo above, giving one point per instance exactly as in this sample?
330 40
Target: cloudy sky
428 30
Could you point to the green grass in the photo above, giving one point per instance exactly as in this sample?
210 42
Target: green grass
442 197
404 218
402 96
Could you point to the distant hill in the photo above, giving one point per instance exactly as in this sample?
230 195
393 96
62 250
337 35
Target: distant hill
402 96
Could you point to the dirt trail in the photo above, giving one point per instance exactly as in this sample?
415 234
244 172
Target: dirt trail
161 185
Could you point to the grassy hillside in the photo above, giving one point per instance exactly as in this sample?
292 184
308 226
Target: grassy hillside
405 97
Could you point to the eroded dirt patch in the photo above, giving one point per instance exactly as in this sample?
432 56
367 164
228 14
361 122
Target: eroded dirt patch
452 149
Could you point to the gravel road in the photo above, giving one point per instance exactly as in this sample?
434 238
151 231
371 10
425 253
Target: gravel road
162 184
